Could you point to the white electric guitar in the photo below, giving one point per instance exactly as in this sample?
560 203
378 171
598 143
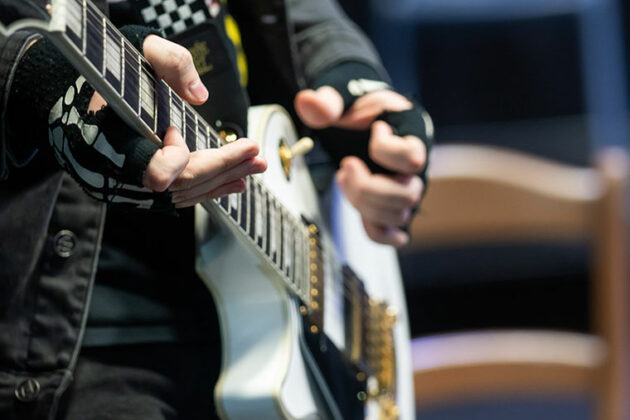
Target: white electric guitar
304 336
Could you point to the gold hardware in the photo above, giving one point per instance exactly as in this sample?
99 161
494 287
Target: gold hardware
303 310
228 135
314 329
313 279
360 376
392 314
49 9
315 305
313 267
314 292
312 229
313 242
301 147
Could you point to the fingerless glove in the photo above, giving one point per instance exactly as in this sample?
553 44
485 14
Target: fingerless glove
105 156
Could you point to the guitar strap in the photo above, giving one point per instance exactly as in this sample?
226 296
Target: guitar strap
211 35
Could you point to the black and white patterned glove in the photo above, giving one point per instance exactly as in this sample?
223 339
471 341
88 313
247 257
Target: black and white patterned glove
105 156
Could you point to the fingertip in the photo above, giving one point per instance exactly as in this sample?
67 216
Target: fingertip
319 109
197 92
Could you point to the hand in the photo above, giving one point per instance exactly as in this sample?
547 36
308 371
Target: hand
200 175
384 202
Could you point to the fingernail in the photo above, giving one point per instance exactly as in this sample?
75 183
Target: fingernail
198 90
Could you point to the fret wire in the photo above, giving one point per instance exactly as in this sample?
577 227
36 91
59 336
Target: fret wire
104 23
248 216
281 239
140 84
155 109
307 261
122 69
208 144
84 27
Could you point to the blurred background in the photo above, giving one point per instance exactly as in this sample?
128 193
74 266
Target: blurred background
540 87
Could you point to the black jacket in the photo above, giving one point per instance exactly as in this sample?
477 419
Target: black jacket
50 231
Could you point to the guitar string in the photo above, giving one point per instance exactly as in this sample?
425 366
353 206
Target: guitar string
139 60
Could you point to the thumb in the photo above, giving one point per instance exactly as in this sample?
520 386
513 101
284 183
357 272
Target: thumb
168 162
319 108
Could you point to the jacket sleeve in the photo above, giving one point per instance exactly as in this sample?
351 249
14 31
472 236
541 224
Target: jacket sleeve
326 37
11 50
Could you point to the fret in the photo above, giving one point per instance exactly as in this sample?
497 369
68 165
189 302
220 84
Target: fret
280 231
113 58
260 228
267 222
199 144
84 29
131 78
74 24
176 112
139 70
243 207
304 256
234 205
224 203
189 127
104 35
147 96
273 249
253 226
299 263
202 135
287 244
94 40
163 108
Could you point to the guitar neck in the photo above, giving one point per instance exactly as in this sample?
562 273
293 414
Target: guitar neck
119 72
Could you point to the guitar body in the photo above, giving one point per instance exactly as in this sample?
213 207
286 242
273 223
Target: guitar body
268 370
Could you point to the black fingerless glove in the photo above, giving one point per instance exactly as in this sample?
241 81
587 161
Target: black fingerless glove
353 80
105 156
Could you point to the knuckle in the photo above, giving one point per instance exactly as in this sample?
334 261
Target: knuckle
411 198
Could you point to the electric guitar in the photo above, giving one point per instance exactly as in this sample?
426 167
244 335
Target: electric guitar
303 335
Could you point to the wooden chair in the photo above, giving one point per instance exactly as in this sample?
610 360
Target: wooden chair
483 194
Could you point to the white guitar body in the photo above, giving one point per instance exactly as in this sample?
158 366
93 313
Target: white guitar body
267 373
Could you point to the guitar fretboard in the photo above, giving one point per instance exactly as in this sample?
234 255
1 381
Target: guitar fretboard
257 214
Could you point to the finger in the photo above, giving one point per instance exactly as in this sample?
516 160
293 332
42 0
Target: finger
237 186
385 235
405 155
248 167
386 217
319 108
209 163
175 65
364 188
167 163
368 107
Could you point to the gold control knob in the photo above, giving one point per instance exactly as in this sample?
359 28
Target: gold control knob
301 147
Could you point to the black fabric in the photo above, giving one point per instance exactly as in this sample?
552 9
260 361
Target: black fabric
144 382
136 34
340 143
150 281
340 75
227 105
